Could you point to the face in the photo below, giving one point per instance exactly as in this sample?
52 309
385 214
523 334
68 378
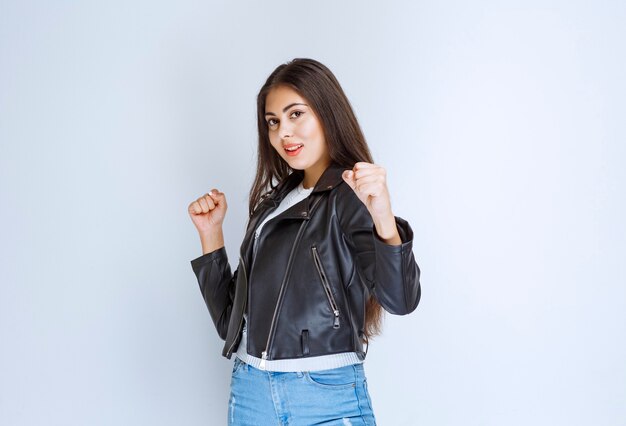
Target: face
296 133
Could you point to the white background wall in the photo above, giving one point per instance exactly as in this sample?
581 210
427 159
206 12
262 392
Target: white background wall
501 125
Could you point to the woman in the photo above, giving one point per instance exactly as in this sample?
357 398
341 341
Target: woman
323 254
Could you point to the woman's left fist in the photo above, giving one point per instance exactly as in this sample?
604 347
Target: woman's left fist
369 182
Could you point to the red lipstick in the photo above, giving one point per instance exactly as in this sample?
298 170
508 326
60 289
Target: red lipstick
293 149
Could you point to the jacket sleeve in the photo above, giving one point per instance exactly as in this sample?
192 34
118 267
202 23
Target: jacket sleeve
217 285
390 272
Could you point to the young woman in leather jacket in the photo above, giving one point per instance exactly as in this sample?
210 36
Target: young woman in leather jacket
323 257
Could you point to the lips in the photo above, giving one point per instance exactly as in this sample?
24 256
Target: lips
293 148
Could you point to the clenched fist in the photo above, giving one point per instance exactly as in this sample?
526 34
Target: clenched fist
207 212
369 183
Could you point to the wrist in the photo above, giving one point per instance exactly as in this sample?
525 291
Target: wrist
387 229
212 240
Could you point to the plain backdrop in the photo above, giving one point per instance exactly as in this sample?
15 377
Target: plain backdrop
501 126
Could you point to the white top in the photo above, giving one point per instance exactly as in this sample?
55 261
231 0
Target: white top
295 196
313 363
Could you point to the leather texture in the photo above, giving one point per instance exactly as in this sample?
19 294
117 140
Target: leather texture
315 265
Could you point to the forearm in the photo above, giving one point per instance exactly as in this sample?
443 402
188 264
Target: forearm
212 240
397 274
390 270
382 247
216 285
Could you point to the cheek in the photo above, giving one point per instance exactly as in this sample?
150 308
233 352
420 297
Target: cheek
307 129
274 142
311 132
315 135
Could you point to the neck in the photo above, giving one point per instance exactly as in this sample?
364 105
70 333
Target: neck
312 175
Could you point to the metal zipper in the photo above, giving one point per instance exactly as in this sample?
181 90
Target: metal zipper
327 290
254 251
243 264
280 296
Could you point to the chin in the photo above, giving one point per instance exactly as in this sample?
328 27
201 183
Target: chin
296 165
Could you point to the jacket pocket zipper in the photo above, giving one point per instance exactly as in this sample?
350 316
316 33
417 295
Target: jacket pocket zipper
327 290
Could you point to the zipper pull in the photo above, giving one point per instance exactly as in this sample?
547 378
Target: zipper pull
263 358
336 324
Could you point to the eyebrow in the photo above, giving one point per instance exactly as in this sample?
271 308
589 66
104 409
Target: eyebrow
286 108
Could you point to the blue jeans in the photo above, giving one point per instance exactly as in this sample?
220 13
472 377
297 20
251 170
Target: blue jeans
337 396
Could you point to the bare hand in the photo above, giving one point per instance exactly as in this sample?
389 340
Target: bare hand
369 183
207 212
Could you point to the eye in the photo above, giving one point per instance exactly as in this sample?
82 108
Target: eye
271 121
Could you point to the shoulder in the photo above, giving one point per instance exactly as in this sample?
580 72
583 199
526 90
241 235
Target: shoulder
350 210
344 197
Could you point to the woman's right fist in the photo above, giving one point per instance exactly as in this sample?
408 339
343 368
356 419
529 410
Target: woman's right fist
207 212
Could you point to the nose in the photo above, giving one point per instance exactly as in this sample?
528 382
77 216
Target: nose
285 130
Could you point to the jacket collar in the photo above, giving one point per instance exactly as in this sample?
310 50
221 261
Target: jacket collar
330 178
302 210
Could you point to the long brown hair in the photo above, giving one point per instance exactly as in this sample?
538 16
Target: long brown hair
344 138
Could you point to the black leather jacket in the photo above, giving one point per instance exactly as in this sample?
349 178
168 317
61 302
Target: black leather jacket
315 265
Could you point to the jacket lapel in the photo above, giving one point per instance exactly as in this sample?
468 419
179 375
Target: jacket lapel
302 210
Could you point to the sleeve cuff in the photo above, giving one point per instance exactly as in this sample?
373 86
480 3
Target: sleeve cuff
405 232
208 257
